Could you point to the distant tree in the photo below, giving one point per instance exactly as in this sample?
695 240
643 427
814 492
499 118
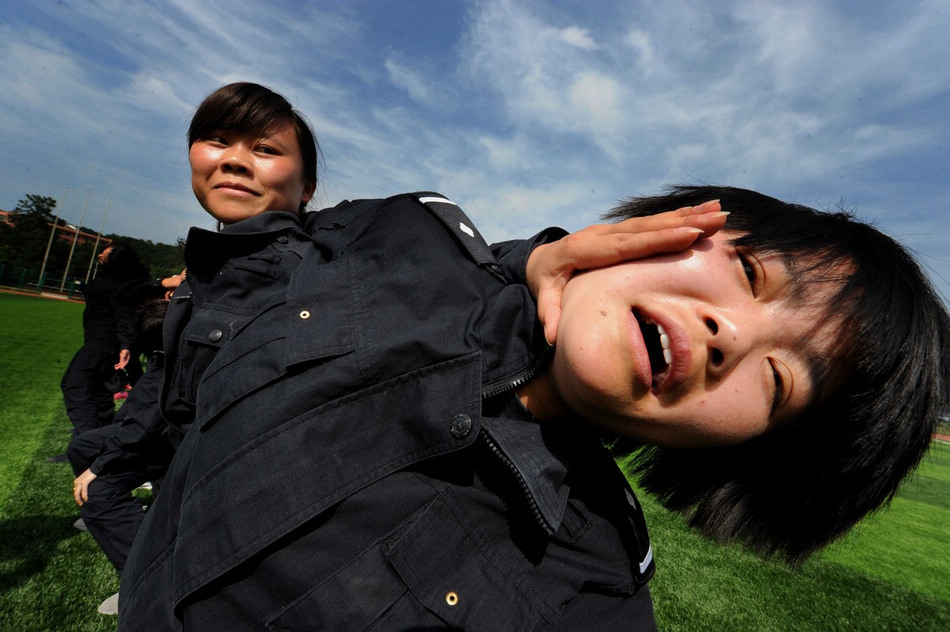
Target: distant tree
23 245
161 259
37 205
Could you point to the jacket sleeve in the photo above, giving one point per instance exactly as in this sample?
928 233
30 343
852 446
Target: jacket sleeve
139 432
513 255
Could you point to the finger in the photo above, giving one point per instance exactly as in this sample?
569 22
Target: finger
710 206
549 311
713 216
617 248
550 326
709 223
77 496
685 216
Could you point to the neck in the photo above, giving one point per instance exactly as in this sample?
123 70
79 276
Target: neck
540 398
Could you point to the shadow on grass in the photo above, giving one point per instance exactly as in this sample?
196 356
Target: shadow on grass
27 543
52 576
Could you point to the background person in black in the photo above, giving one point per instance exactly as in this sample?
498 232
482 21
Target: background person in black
107 333
121 283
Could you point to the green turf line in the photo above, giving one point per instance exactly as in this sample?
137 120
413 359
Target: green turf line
893 574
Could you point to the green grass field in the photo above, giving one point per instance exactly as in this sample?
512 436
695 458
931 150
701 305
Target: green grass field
893 573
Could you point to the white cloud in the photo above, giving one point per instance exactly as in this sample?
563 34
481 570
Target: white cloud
578 37
418 87
597 99
645 56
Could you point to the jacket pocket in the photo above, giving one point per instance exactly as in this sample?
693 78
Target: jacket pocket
365 592
431 575
454 575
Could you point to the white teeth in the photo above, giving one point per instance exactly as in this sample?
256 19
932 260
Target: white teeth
665 343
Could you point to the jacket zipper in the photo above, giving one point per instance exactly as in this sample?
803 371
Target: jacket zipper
524 376
504 385
526 491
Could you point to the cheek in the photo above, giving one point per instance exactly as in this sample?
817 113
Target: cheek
201 163
286 179
585 347
724 416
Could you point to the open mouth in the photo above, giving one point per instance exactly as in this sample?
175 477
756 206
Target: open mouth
658 348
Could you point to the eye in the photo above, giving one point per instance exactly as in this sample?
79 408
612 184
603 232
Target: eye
779 382
266 149
749 268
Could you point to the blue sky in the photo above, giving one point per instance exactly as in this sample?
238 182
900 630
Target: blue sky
526 113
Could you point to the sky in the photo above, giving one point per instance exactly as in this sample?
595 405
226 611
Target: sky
527 114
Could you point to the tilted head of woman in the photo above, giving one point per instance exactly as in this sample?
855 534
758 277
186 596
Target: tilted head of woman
710 346
250 152
776 382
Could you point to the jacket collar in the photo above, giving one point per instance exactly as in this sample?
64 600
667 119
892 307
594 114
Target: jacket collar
207 250
268 222
541 455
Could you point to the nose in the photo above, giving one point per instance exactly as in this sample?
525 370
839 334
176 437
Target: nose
727 341
235 160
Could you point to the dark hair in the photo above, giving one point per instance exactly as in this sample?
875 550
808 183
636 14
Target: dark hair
795 489
148 318
255 109
123 264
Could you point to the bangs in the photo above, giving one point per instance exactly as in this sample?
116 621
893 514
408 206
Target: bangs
244 108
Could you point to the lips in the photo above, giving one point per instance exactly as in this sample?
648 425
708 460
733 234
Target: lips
668 351
235 187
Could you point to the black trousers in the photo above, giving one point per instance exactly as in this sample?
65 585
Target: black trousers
88 400
112 514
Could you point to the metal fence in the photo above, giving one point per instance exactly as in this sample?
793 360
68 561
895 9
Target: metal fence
28 280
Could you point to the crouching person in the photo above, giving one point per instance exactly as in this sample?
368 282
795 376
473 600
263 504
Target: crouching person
111 461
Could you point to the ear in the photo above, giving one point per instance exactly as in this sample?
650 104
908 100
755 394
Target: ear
308 190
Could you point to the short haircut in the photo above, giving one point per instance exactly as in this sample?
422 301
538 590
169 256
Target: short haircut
795 489
254 109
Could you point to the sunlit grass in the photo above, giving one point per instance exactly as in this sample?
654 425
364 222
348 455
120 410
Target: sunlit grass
892 574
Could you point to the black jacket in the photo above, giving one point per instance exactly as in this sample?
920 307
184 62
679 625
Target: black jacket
107 319
358 457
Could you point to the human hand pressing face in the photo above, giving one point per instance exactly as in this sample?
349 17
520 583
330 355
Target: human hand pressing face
551 266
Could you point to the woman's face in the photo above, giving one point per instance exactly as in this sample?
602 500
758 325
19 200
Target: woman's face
237 175
104 255
710 346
